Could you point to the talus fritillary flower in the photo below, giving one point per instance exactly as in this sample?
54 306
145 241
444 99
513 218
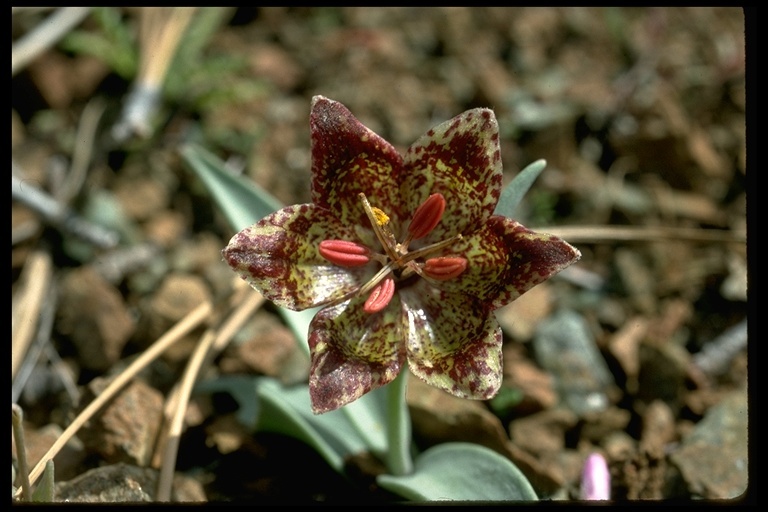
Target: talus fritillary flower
404 253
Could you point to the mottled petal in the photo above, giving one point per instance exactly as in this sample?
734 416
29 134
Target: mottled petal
505 259
460 159
353 352
279 257
453 342
349 158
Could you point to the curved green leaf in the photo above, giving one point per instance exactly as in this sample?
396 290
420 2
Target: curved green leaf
241 388
517 188
461 471
286 410
243 202
44 491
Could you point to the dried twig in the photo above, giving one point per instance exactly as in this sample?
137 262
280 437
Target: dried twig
45 35
212 342
160 34
58 215
178 331
34 282
603 234
82 152
17 421
716 356
42 340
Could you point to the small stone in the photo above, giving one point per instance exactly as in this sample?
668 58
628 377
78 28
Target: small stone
126 429
92 312
566 348
124 483
713 457
544 431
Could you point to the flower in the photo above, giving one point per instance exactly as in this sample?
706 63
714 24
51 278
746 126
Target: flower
595 478
404 253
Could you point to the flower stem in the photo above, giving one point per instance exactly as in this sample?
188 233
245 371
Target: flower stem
399 459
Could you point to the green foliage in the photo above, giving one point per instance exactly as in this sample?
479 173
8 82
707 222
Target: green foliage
113 43
461 471
513 194
44 491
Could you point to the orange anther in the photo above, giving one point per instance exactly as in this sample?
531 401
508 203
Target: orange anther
427 215
446 268
380 296
344 253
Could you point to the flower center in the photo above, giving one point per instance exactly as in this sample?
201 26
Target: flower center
397 263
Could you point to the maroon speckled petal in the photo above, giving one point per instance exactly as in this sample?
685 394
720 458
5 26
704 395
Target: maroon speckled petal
279 257
353 352
505 259
453 342
349 158
460 159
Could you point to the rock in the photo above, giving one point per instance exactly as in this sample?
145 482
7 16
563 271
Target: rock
270 349
566 348
178 295
441 417
713 456
544 431
124 483
520 318
126 429
599 425
38 441
536 386
93 314
658 428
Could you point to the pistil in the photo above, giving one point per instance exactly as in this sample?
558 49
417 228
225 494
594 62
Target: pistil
398 263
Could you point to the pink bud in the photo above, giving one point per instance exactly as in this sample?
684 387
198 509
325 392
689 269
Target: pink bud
443 269
344 253
595 479
380 296
427 215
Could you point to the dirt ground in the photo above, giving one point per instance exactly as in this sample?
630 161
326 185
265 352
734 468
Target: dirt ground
640 114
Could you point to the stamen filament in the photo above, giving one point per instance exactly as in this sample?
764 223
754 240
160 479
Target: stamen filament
366 288
386 239
425 251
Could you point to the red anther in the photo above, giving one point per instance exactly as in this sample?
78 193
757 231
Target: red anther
443 269
344 253
427 215
380 296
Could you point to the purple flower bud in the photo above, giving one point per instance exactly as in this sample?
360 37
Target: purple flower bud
595 479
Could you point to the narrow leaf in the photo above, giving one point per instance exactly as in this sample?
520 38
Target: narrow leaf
44 491
239 387
243 202
286 410
517 188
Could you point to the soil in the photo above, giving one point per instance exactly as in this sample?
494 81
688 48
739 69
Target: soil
640 114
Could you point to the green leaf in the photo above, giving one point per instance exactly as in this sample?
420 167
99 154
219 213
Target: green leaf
461 471
243 202
517 188
112 42
241 388
43 493
286 410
